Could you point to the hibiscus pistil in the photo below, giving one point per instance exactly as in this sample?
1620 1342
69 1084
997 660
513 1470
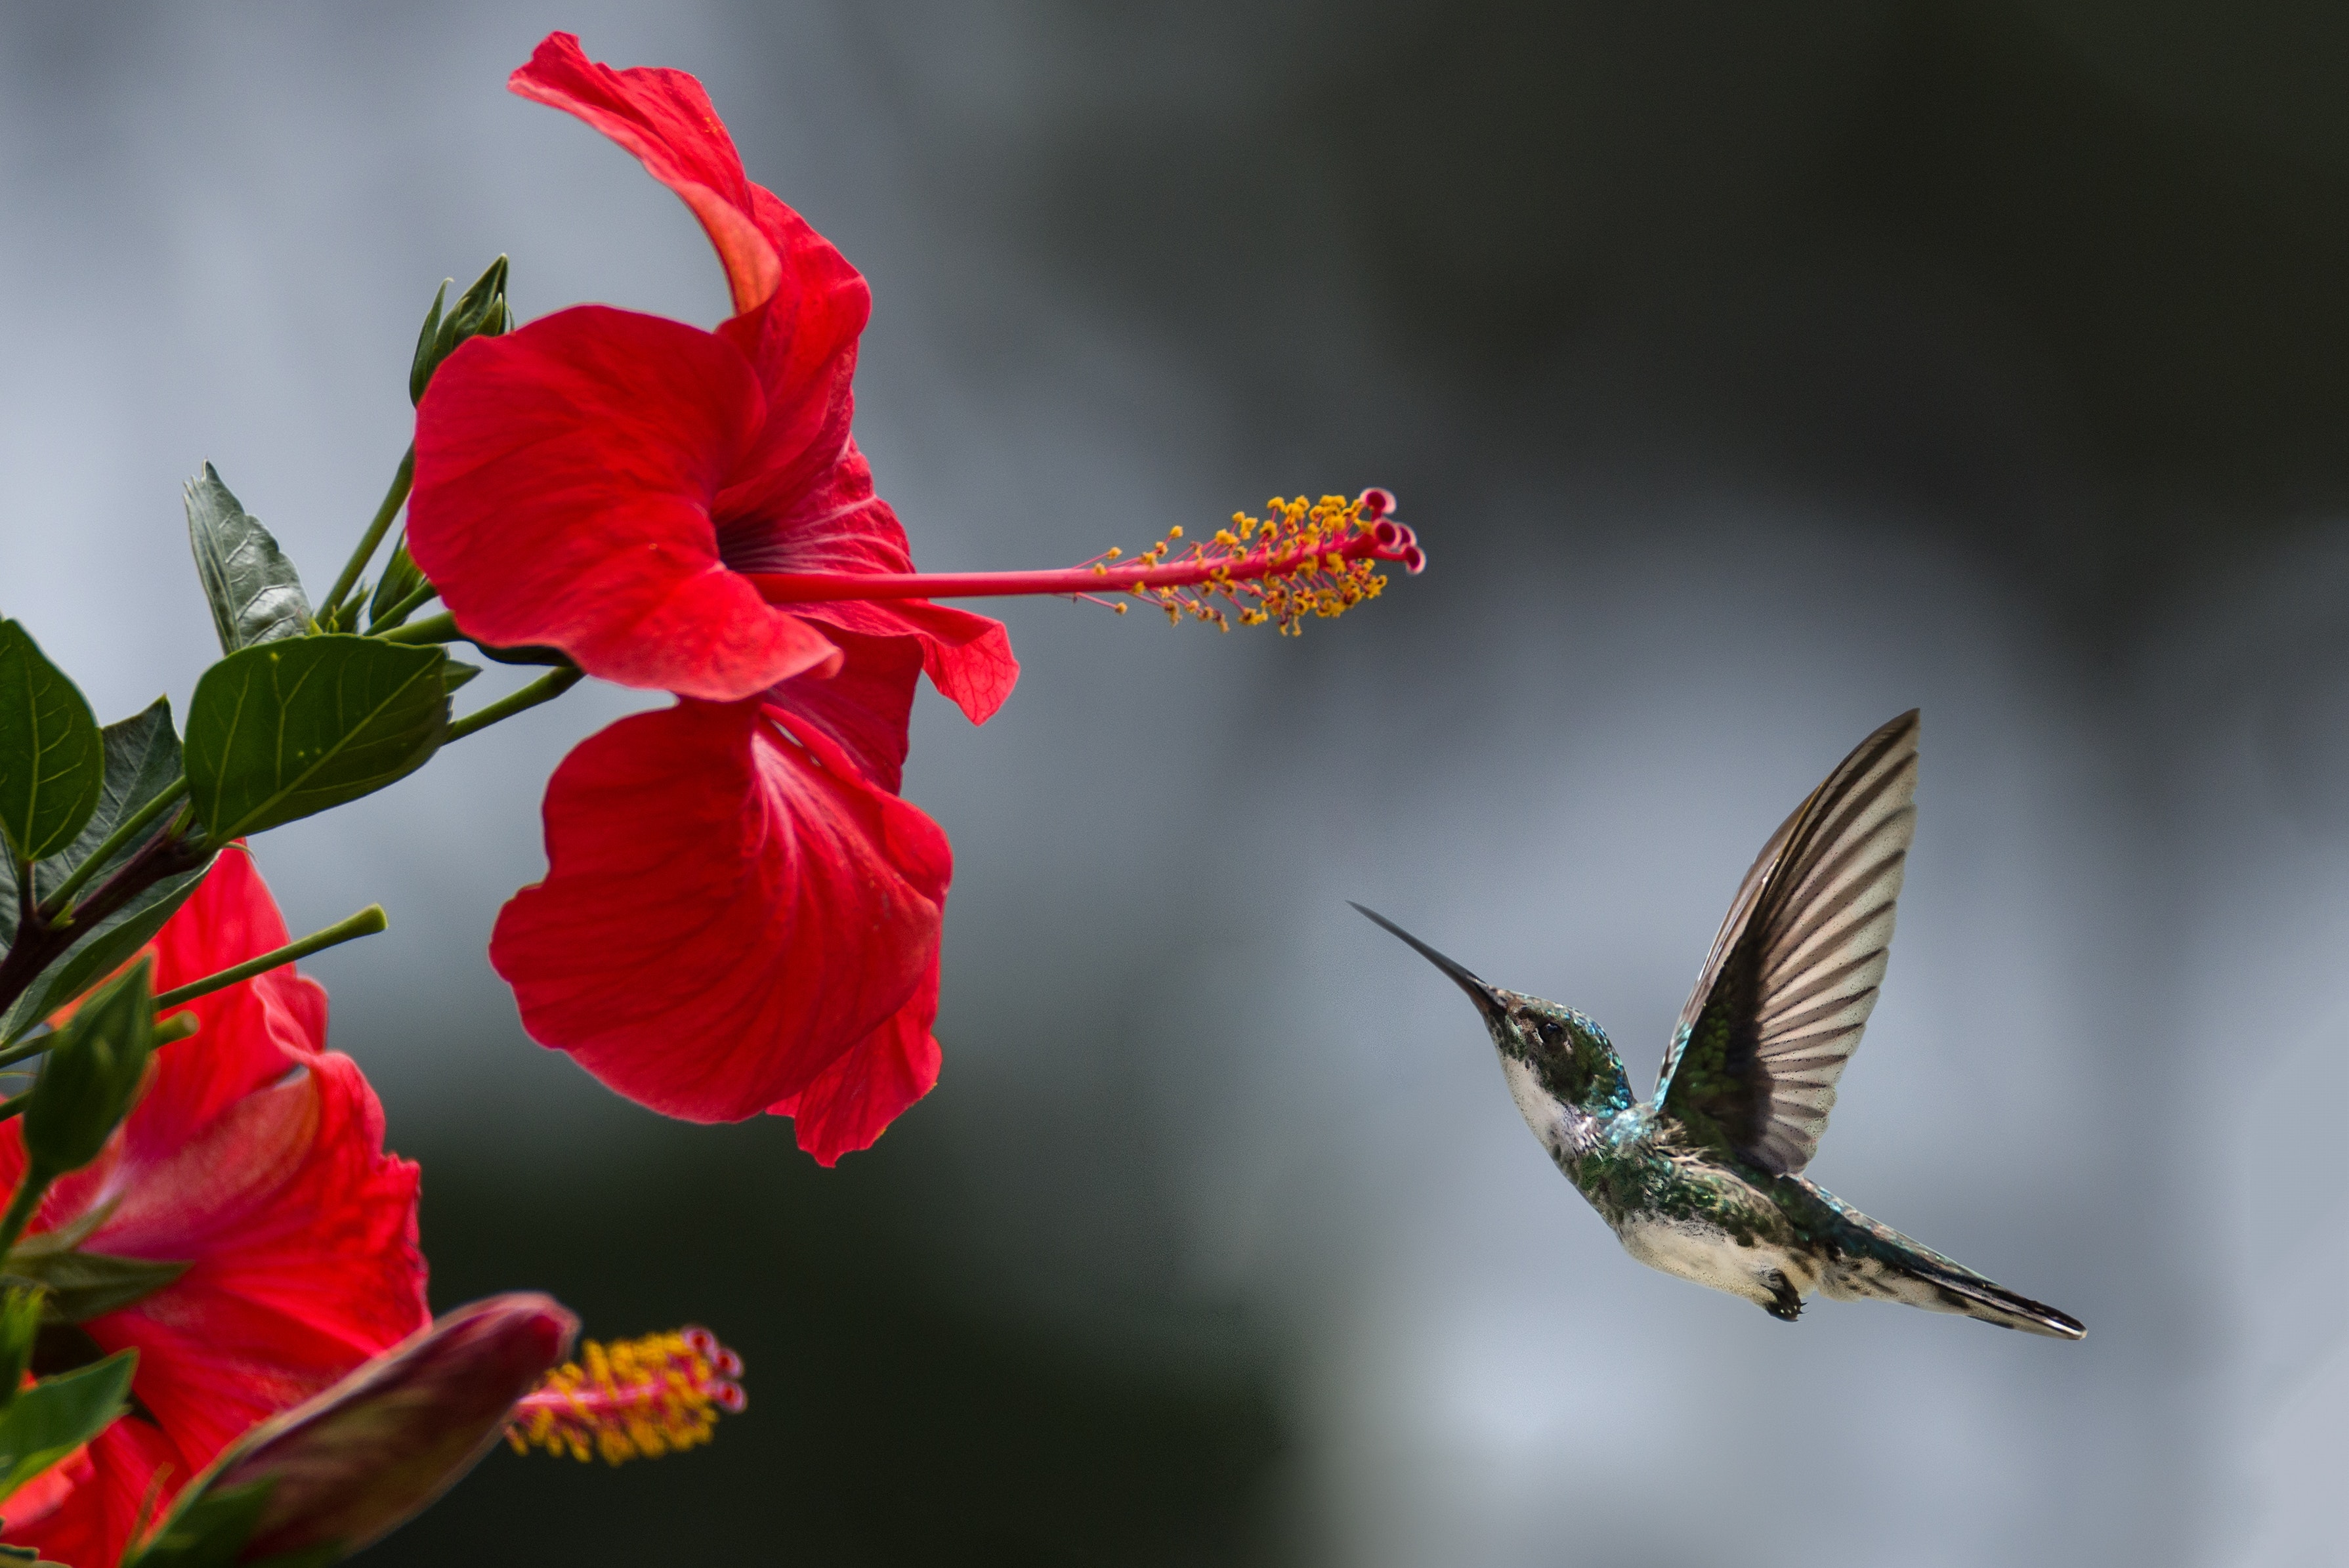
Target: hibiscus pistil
638 1398
1302 558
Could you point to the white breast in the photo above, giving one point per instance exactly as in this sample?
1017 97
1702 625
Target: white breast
1712 1257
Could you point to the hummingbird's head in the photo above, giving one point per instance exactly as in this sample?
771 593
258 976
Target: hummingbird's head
1567 1054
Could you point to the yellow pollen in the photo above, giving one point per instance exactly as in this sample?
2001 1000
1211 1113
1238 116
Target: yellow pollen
636 1398
1279 569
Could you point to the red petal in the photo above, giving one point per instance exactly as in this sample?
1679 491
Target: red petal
862 708
725 913
667 121
967 656
799 306
853 1102
802 346
564 478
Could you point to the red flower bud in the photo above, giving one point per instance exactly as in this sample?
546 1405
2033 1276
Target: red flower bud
370 1452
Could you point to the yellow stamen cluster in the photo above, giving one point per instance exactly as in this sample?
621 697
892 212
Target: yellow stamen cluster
1301 558
638 1399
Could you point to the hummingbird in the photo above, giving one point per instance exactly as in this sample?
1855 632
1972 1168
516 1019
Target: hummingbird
1705 1180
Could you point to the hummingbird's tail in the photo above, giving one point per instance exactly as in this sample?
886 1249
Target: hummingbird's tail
1875 1263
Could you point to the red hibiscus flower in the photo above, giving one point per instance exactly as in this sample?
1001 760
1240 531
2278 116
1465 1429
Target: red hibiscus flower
255 1158
739 914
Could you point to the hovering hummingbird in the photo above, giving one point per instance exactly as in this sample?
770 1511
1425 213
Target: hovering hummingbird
1705 1180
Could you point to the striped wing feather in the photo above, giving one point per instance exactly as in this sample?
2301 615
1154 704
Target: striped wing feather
1794 971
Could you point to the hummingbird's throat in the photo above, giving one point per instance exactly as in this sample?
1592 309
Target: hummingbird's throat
1300 559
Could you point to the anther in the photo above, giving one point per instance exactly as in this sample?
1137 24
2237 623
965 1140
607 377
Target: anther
638 1399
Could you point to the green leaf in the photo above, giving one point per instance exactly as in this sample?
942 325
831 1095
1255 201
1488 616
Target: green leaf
82 1285
456 673
143 759
91 1075
284 731
20 1325
59 1414
52 762
401 578
256 593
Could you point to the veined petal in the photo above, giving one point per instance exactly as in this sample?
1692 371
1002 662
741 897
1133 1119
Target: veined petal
967 657
863 707
666 119
563 479
799 306
728 908
853 1102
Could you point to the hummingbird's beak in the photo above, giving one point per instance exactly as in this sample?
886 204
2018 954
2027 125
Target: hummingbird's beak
1487 1001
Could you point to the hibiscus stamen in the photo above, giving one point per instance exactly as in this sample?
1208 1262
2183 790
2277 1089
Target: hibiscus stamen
1300 559
636 1398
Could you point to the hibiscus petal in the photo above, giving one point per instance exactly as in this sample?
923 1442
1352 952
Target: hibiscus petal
863 706
967 656
666 119
853 1102
564 478
725 911
799 306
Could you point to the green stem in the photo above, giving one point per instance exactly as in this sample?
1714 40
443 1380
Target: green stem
130 827
366 923
417 598
439 628
393 500
545 689
28 1198
33 1047
13 1106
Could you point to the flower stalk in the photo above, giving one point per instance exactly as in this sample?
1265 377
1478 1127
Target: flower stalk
369 542
366 923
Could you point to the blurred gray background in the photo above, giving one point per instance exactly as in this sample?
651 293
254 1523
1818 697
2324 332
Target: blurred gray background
1751 374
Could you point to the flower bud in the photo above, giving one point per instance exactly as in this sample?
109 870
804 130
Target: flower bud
334 1474
479 312
91 1075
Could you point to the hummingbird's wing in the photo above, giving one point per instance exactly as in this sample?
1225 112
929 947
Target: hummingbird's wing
1794 974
